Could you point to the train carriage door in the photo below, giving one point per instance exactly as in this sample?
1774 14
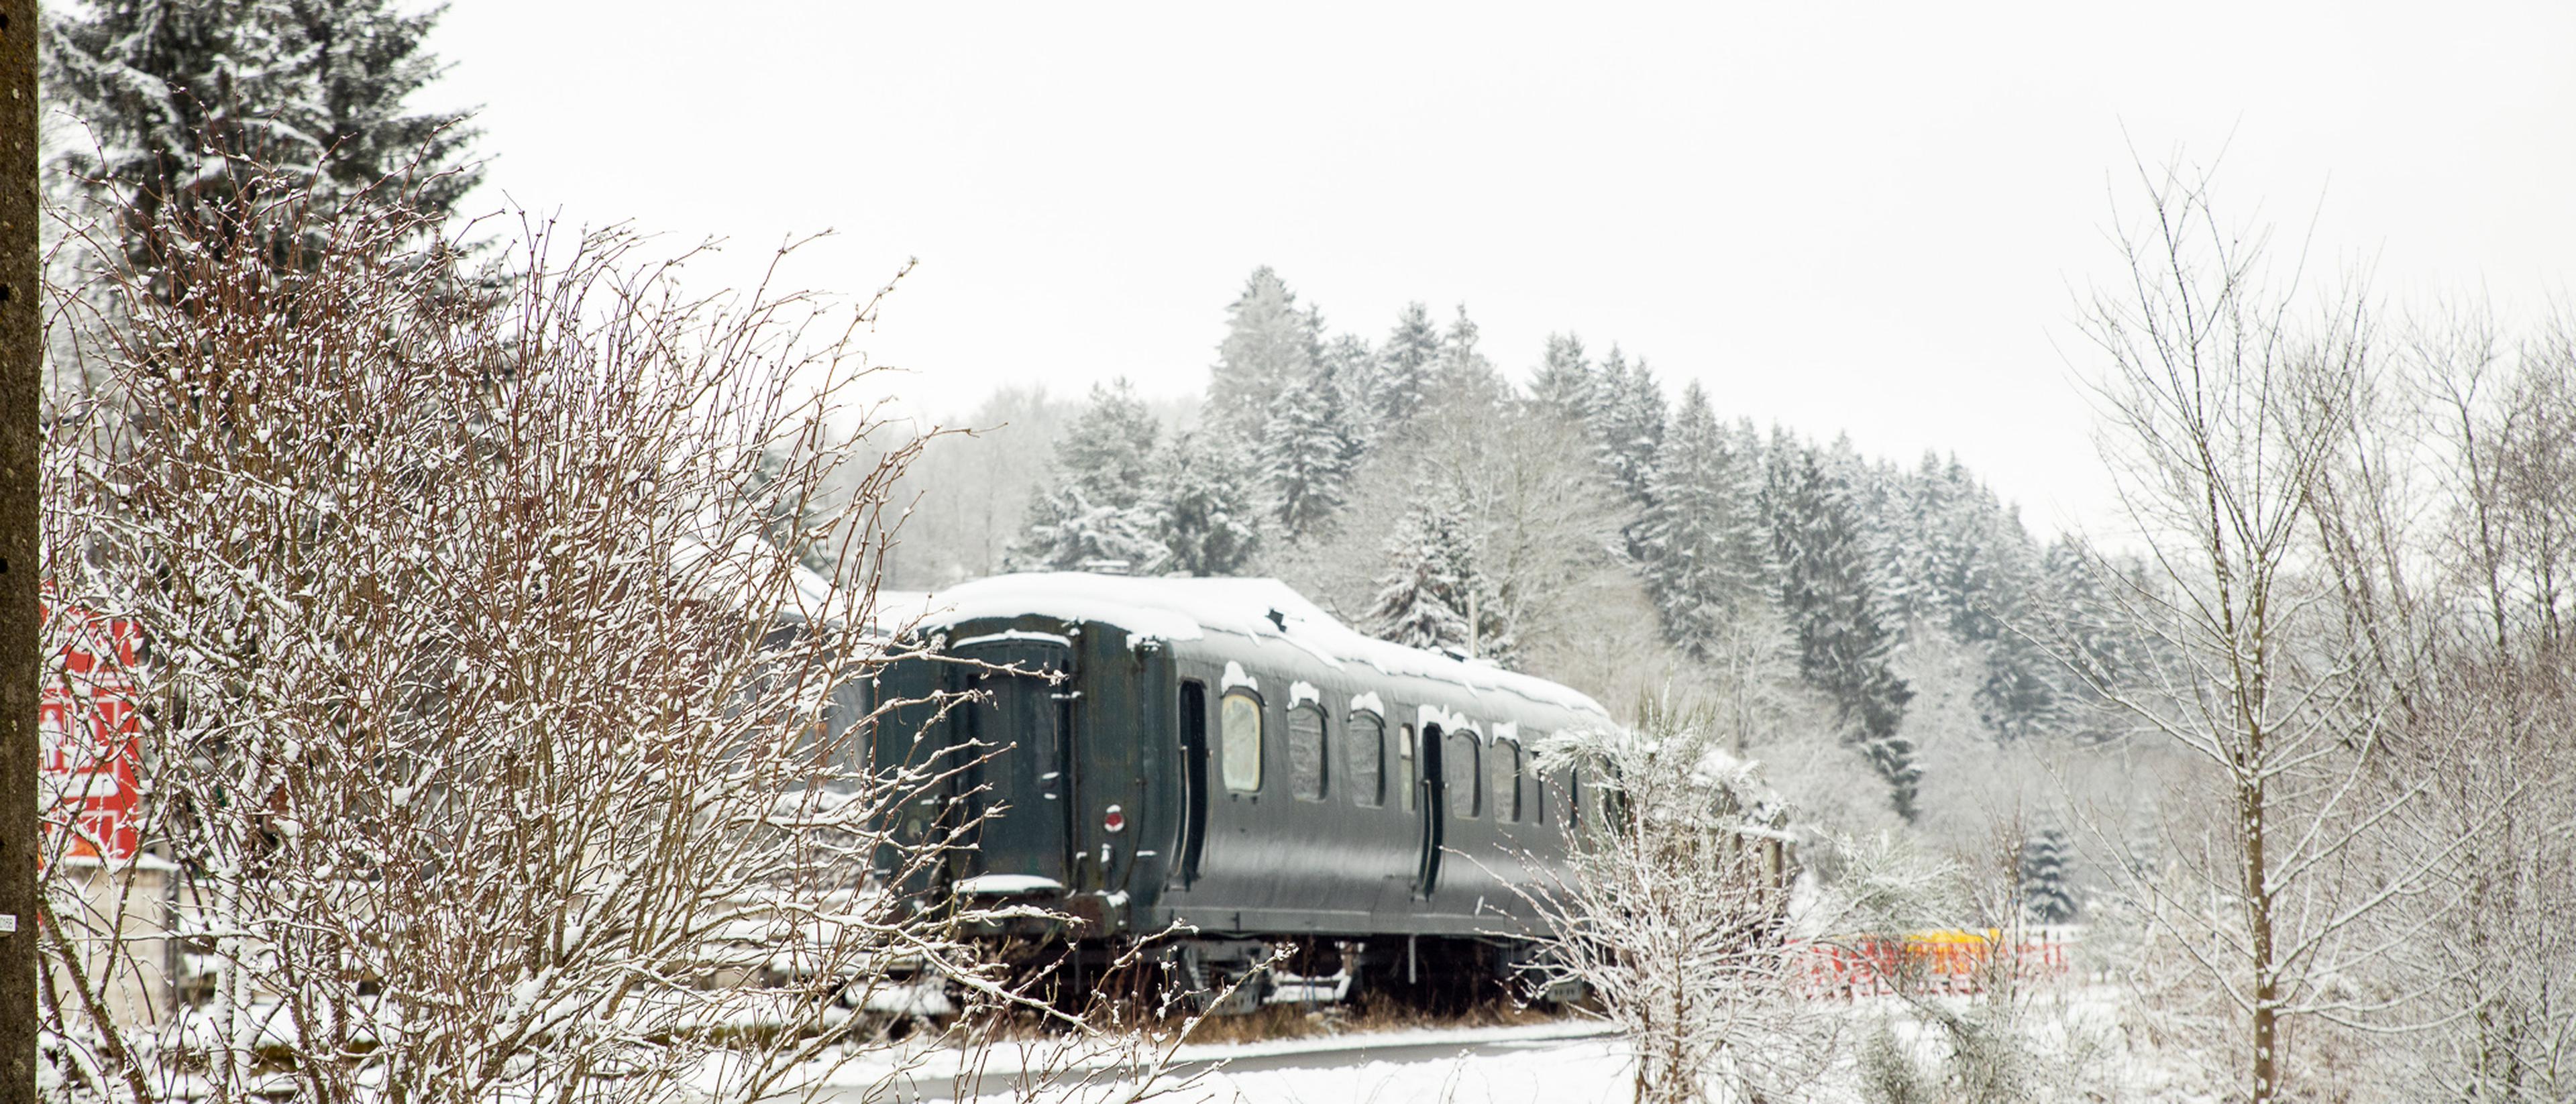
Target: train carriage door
1194 763
1430 810
1022 722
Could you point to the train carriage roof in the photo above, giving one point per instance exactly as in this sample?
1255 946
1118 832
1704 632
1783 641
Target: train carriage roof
1259 611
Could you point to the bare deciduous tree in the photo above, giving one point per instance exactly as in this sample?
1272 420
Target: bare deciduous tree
2229 409
495 739
2452 543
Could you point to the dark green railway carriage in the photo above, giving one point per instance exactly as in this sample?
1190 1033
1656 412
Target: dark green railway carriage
1221 753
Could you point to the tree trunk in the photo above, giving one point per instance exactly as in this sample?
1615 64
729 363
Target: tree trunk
2258 897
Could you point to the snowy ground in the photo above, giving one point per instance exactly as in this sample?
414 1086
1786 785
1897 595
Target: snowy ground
1553 1071
2071 1046
1571 1062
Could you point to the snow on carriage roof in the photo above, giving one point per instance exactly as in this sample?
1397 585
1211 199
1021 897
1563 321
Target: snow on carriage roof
1189 609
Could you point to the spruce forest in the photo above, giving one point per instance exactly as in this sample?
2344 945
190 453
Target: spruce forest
1893 643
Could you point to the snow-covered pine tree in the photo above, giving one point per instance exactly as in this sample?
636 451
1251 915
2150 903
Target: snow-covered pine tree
1349 369
1433 591
1628 422
2047 882
1975 537
1269 345
1109 447
1826 592
1096 510
1462 375
364 58
1564 384
1305 457
1421 599
1204 516
1068 530
2024 692
1957 565
1910 529
1700 539
1610 384
2080 623
1976 551
1402 385
2023 695
187 103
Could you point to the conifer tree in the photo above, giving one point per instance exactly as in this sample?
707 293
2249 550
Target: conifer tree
1980 547
1097 508
2047 889
2023 695
1970 552
1914 551
1463 376
1826 593
1404 368
187 103
1108 447
1564 385
1610 385
1628 422
1269 345
1433 595
2083 641
1700 540
1203 512
1422 597
364 58
1305 457
1349 373
1069 530
1959 566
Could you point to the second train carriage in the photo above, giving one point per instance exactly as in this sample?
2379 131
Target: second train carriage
1220 753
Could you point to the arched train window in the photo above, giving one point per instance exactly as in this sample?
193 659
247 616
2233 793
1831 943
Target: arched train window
1306 752
1365 739
1459 771
1239 741
1507 782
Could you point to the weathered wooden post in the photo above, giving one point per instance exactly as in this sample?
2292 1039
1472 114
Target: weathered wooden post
21 380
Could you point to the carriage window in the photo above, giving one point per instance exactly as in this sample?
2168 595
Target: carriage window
1507 782
1406 780
1366 736
1538 784
1239 741
1574 796
1458 771
1306 753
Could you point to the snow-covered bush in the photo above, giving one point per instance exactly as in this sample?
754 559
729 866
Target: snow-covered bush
1672 912
495 743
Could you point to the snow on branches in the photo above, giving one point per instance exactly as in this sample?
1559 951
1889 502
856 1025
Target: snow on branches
498 743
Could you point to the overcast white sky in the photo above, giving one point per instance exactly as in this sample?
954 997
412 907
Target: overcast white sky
1861 218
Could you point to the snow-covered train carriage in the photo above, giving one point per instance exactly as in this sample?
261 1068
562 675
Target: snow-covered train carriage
1222 754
